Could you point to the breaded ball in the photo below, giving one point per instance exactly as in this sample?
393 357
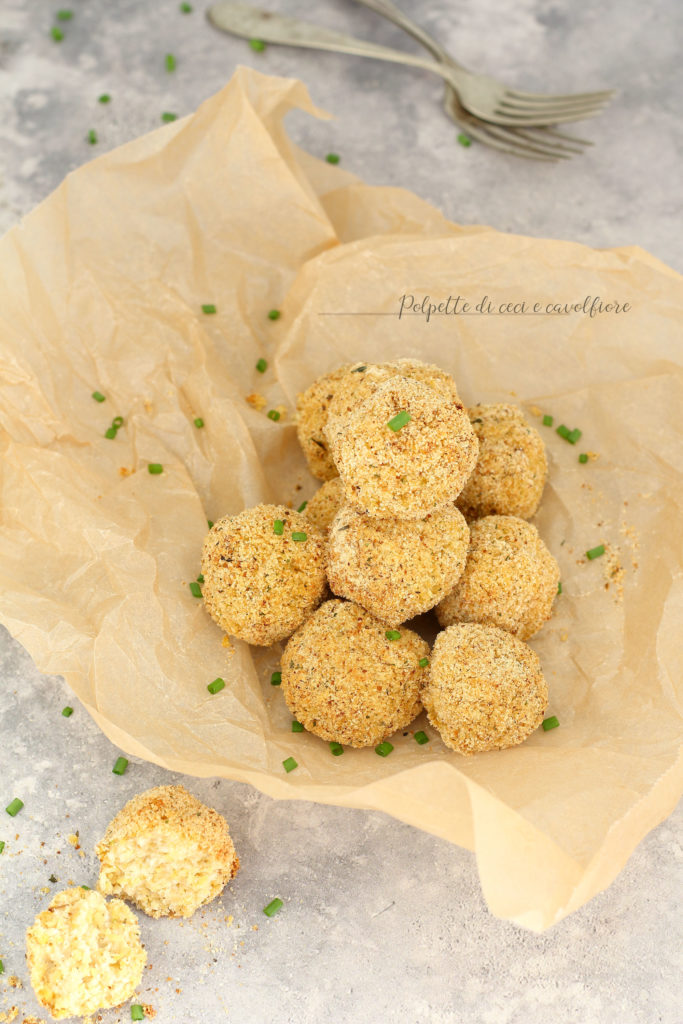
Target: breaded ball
396 569
486 690
511 470
311 416
167 853
264 573
84 954
414 469
510 579
325 503
347 681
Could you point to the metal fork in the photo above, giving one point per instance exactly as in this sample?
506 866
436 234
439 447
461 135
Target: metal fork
482 96
535 143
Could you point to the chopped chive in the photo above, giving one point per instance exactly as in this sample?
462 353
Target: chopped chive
336 749
421 737
258 45
200 578
273 415
2 847
67 712
92 137
53 879
547 421
208 308
155 468
170 62
477 419
198 422
276 679
120 765
64 15
14 807
562 431
359 369
423 662
274 314
299 536
209 523
289 764
167 117
399 420
574 435
559 587
550 723
297 726
583 458
98 396
595 552
137 1012
273 907
117 422
333 158
392 634
384 749
278 527
464 140
186 8
262 366
302 506
86 887
195 590
56 34
111 432
104 98
216 686
2 966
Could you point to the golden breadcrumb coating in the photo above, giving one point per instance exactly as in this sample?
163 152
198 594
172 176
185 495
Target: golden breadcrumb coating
167 853
84 954
325 503
396 569
260 585
312 406
510 579
346 681
485 691
409 472
511 470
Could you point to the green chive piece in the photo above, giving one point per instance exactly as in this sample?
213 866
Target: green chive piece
278 527
167 117
359 369
14 807
195 590
2 847
464 140
563 431
155 468
209 523
273 907
595 552
64 15
392 634
170 62
98 396
67 712
120 765
273 415
423 662
53 879
574 435
208 308
104 98
289 764
336 749
186 8
297 726
583 458
200 578
216 686
199 422
137 1012
421 737
117 422
111 432
559 587
258 45
477 419
276 679
56 34
2 966
262 366
384 749
547 421
399 420
86 887
299 536
92 137
550 723
302 506
333 158
274 314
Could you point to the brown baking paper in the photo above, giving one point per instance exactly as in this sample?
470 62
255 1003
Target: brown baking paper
101 288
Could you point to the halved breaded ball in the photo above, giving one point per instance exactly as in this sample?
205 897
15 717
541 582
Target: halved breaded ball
167 853
405 451
264 573
511 470
325 503
396 569
510 579
486 690
311 416
346 681
84 954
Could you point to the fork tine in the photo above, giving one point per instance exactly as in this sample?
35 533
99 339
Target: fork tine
505 144
548 109
533 98
553 150
563 135
526 133
505 118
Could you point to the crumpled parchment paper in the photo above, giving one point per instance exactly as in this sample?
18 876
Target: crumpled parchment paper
101 288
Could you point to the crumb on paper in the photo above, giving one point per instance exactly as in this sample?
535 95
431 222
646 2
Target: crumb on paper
125 471
256 401
613 571
148 1010
282 409
564 636
535 411
228 644
149 405
593 455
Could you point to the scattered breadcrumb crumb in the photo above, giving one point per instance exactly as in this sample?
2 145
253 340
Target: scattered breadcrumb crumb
9 1015
256 401
227 643
125 471
613 571
535 411
593 455
282 409
13 981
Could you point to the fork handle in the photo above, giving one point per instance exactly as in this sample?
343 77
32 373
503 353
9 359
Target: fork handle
392 13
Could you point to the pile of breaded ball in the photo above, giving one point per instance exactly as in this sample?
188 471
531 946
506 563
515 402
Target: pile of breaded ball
425 505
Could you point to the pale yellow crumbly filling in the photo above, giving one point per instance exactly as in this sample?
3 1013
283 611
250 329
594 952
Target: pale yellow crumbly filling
325 503
312 408
84 954
510 579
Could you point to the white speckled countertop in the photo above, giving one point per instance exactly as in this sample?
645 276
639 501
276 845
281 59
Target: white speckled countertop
381 921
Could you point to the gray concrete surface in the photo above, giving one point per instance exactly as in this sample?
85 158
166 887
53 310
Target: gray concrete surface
381 922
